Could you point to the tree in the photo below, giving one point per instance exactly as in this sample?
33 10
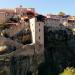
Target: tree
61 14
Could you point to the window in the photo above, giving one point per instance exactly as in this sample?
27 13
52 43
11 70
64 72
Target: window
39 24
39 37
39 30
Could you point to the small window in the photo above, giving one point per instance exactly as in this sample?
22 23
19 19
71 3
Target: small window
39 30
39 24
39 37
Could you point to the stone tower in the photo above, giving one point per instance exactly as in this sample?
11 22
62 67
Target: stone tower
37 30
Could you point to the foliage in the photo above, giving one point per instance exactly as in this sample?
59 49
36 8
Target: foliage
23 37
3 26
61 14
14 19
68 71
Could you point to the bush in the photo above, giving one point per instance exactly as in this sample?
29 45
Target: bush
68 71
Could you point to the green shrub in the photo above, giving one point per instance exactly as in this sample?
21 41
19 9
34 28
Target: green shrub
68 71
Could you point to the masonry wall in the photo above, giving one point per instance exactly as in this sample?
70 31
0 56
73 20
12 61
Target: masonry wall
37 30
2 17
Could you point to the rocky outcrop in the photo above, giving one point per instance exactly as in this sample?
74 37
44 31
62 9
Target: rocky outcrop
59 52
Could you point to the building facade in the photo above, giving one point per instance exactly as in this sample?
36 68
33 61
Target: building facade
5 14
2 17
54 22
37 30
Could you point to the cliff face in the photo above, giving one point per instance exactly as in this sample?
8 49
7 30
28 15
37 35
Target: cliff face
59 51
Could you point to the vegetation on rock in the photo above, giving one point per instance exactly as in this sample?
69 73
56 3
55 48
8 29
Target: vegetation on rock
68 71
61 14
3 26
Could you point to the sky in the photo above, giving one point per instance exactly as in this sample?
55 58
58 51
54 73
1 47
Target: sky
42 6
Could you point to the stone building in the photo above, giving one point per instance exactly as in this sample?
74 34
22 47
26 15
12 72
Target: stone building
51 23
54 22
2 17
5 14
37 30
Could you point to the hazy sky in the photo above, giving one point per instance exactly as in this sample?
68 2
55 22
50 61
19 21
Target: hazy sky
42 6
